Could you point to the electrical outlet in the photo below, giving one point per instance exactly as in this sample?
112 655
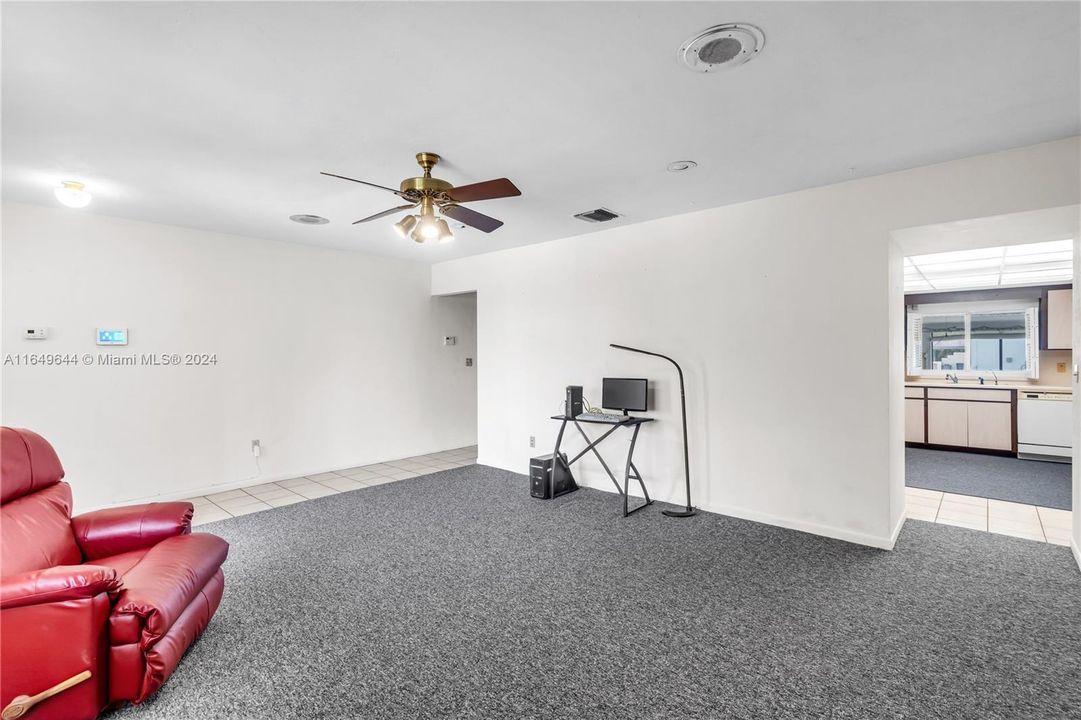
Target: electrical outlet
256 448
469 362
1060 367
532 441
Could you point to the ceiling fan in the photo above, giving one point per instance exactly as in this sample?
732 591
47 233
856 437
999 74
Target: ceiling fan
431 194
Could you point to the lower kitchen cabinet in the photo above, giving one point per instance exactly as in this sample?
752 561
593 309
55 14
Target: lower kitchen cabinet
947 422
914 430
962 418
990 425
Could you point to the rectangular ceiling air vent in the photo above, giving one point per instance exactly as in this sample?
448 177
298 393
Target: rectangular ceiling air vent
598 215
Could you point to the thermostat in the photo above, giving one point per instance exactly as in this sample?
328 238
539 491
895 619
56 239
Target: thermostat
112 336
36 333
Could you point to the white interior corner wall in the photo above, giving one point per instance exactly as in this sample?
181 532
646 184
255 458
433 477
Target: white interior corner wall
785 314
329 358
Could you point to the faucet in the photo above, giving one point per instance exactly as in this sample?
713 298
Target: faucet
952 378
994 376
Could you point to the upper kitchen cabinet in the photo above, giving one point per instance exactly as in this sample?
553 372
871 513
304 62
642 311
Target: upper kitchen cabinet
1057 319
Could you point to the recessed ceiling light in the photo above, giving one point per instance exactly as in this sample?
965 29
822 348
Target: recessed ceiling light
309 219
681 165
73 194
722 46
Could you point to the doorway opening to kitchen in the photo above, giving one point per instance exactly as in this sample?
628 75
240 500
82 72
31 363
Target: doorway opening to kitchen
989 379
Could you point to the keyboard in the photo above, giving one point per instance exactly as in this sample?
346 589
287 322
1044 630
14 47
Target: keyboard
603 417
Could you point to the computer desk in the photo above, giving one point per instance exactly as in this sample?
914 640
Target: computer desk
636 424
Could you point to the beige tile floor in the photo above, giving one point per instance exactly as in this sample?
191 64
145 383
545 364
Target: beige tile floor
1030 522
219 506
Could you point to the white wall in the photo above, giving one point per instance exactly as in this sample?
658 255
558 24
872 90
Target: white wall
330 358
783 312
1077 392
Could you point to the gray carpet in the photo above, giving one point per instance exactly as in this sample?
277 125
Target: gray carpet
990 476
456 595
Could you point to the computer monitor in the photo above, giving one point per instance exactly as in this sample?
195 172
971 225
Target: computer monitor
624 394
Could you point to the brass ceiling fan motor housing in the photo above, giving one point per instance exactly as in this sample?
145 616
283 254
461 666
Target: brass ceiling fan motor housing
426 185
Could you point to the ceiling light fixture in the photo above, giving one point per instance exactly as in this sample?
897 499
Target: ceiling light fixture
73 194
433 194
404 226
305 219
426 228
681 165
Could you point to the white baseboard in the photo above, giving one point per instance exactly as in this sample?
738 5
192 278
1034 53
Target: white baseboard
223 487
879 542
875 541
197 491
1076 551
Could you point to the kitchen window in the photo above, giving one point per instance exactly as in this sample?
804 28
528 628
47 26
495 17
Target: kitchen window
974 339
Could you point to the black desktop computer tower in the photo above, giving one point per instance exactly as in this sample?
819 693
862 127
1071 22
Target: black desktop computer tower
573 407
548 479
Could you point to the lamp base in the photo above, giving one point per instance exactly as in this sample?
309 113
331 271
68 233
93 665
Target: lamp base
679 513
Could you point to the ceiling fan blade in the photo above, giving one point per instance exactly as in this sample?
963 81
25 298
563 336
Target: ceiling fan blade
487 190
472 218
386 212
363 182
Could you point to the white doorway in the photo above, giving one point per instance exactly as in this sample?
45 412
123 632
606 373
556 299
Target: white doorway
991 417
455 321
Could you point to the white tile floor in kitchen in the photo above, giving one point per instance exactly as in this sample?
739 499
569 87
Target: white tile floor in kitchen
1030 522
219 506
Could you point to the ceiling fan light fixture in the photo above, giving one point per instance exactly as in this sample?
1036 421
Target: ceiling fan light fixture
434 195
429 229
404 226
445 235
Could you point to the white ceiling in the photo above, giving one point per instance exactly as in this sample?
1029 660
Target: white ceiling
1009 265
1025 248
221 115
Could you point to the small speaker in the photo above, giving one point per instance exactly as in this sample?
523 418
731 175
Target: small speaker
573 407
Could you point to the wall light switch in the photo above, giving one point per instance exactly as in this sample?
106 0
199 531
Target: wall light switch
450 340
37 333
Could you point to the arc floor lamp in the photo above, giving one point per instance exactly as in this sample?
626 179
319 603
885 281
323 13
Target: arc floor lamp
689 511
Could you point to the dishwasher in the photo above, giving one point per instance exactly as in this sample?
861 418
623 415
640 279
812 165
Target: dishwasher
1044 425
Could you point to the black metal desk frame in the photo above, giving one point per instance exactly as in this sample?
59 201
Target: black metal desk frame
629 471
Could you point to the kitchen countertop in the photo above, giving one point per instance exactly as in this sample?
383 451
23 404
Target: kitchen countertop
990 386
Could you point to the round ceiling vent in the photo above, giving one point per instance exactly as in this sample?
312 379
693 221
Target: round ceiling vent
309 219
722 46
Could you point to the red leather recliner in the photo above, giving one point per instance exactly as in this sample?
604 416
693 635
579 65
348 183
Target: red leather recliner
120 593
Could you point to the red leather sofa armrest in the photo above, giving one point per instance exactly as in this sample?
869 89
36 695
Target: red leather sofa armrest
56 584
117 530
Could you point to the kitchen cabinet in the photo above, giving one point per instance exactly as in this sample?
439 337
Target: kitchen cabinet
914 430
947 422
1058 319
960 417
990 425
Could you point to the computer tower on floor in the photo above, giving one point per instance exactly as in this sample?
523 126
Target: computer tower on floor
548 479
